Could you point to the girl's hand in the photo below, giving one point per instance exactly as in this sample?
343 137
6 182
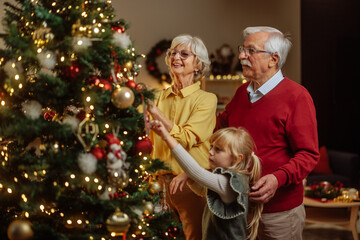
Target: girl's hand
159 128
178 182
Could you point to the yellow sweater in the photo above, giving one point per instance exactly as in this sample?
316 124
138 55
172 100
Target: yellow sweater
193 112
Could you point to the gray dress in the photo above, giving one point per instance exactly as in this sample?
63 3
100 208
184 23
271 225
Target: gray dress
223 221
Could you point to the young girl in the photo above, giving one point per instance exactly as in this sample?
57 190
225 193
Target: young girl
235 168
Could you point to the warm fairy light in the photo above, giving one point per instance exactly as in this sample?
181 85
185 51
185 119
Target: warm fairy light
15 179
62 59
140 153
143 233
20 85
121 143
133 54
35 173
109 189
79 221
96 180
140 66
24 197
137 171
39 50
87 179
69 221
54 184
140 227
113 234
125 69
3 103
27 215
96 30
140 138
116 174
125 132
80 42
72 176
143 55
17 77
12 90
1 186
61 214
53 4
107 125
26 175
19 58
244 81
88 99
52 210
56 145
99 187
141 166
92 107
44 171
67 184
145 158
130 180
84 14
133 235
9 190
42 208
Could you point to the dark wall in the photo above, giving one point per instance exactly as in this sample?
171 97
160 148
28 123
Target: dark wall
330 36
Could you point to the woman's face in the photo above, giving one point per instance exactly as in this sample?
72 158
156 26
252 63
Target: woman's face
182 61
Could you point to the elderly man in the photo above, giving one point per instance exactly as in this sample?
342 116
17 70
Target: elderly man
280 116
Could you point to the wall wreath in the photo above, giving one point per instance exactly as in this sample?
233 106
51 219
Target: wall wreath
151 64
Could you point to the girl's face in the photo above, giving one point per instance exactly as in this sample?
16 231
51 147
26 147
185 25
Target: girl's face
220 157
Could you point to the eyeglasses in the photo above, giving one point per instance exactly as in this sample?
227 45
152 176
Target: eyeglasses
250 51
184 54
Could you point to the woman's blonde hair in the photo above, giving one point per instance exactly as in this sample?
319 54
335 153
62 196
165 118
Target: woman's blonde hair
238 141
198 48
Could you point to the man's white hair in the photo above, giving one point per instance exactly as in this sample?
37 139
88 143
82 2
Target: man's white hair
277 42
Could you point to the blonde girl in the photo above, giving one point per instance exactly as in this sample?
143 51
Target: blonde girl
234 169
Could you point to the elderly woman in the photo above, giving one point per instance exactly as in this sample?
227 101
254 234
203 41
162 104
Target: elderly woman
188 113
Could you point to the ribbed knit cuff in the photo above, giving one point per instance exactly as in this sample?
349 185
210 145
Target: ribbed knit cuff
281 176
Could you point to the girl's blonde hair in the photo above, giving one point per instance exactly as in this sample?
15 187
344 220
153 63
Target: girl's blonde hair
238 141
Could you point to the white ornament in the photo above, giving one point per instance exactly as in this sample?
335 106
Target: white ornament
87 163
121 40
72 121
81 43
47 59
31 109
13 68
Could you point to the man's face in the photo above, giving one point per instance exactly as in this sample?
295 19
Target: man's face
255 64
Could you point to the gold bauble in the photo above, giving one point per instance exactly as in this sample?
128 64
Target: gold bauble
118 223
20 230
148 208
119 178
154 187
129 65
122 97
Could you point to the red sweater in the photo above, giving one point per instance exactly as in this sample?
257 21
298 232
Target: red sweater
283 126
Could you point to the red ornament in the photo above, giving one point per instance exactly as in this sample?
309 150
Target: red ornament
145 146
131 83
72 71
81 115
119 29
98 152
158 51
49 115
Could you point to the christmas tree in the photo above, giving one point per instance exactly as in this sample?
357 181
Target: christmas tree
73 127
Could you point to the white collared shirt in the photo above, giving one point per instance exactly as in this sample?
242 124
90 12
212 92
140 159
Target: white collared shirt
265 88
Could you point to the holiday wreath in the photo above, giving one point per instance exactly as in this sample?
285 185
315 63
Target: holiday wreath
151 64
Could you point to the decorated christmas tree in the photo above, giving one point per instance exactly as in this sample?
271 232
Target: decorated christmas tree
74 149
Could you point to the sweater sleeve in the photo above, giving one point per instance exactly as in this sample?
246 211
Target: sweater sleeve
193 131
216 182
301 130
